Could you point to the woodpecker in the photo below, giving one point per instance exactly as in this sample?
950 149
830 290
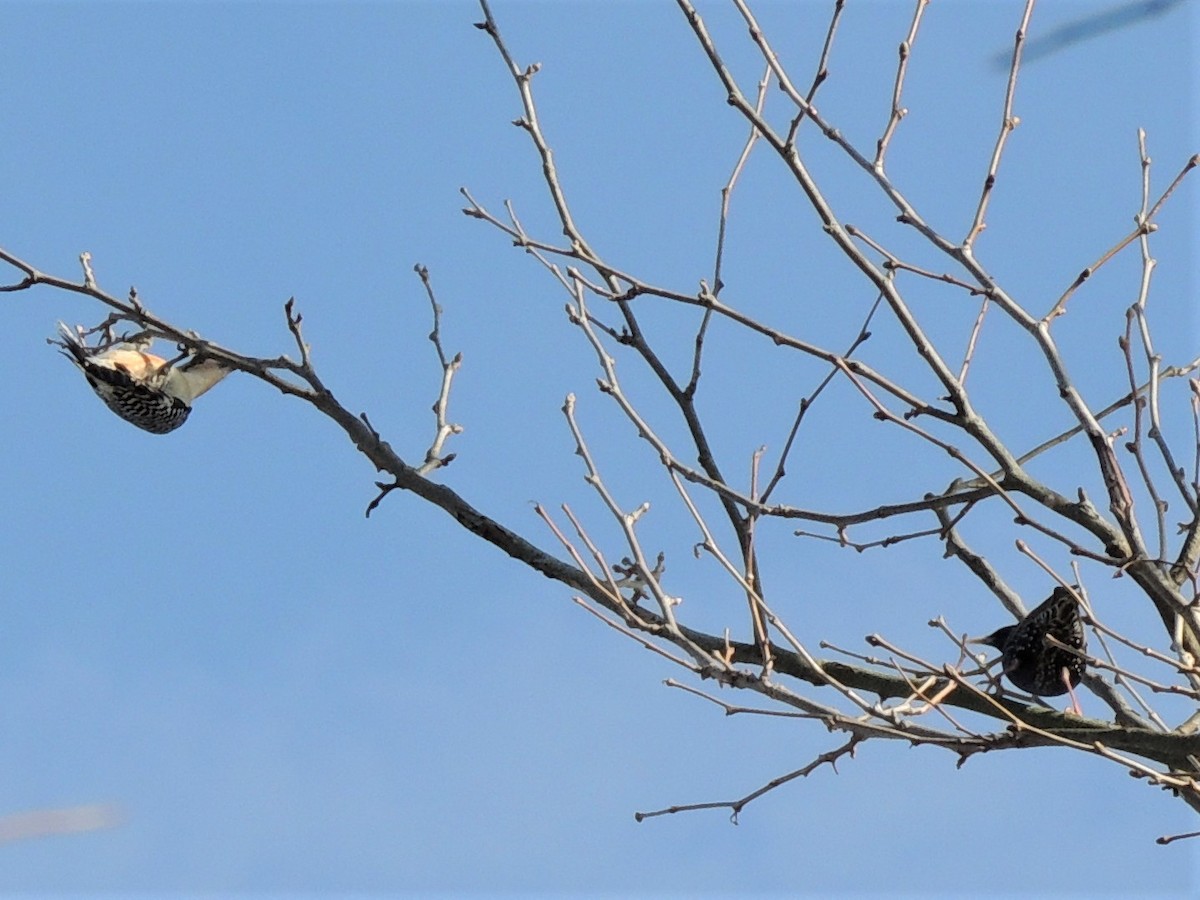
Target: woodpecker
140 387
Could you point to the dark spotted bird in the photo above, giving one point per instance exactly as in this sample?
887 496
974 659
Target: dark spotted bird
1036 666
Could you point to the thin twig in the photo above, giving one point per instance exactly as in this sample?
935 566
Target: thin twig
898 112
736 806
1009 121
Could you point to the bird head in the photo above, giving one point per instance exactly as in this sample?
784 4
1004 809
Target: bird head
997 638
193 378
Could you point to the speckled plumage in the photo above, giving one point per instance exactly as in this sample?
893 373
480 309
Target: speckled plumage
1035 666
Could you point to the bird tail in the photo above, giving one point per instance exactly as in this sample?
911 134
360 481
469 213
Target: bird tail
72 344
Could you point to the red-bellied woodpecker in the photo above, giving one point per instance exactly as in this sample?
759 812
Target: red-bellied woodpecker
138 386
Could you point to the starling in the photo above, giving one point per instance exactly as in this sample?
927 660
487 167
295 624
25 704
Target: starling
1036 666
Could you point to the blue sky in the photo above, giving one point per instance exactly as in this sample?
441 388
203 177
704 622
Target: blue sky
280 695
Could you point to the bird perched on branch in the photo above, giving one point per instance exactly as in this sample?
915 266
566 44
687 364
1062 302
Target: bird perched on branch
138 386
1031 662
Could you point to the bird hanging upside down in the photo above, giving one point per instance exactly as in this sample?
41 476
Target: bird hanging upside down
1033 664
140 387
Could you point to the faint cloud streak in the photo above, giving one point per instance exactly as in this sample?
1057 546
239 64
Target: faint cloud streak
1086 28
46 822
